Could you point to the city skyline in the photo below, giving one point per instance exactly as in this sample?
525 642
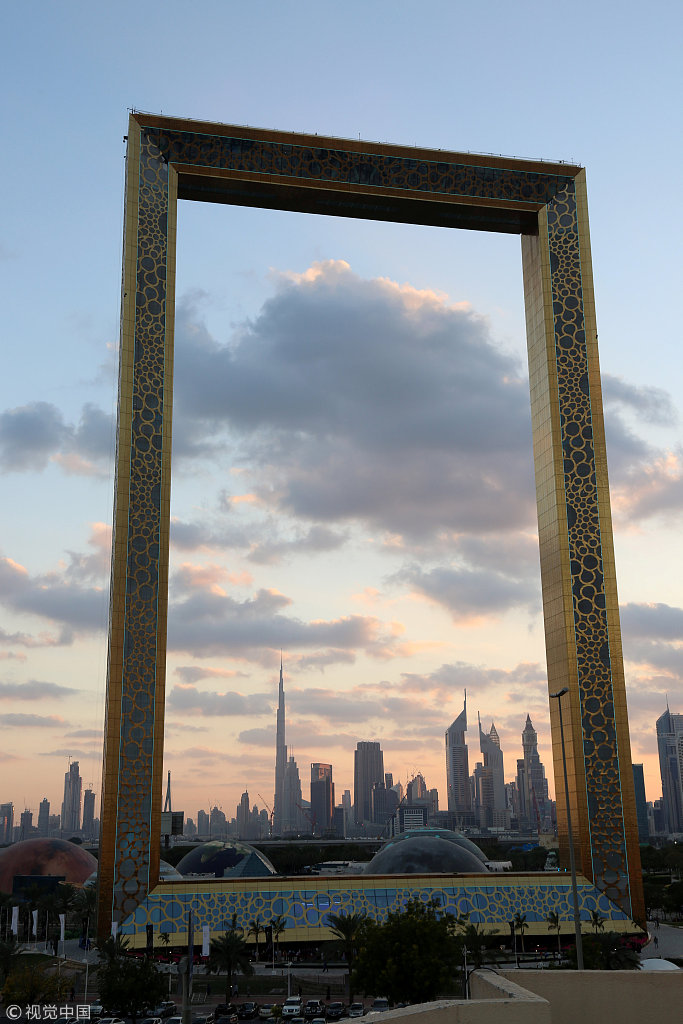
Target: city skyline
373 515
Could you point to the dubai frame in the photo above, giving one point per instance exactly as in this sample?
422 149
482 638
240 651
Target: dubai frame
170 159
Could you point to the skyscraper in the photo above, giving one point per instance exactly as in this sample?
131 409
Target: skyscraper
293 820
457 764
71 805
280 760
670 744
492 800
368 769
6 822
641 804
244 817
532 785
322 797
88 813
44 817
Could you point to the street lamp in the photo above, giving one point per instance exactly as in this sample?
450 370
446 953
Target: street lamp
572 863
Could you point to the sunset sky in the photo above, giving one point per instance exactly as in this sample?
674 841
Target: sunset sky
353 481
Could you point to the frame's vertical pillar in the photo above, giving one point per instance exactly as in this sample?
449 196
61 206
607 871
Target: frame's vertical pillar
580 604
133 752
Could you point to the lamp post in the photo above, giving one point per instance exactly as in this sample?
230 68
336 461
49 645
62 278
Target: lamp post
572 863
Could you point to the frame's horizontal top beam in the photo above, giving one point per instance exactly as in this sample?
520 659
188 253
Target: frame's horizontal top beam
315 174
543 167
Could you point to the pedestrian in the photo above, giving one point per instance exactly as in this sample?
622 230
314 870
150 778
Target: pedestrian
300 992
656 942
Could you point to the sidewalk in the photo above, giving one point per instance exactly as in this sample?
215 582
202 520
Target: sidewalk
669 943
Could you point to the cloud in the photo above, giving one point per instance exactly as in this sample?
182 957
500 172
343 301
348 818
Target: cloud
208 624
193 673
470 594
652 621
28 640
30 435
95 565
651 489
34 690
340 388
34 434
654 405
18 721
316 539
189 700
52 596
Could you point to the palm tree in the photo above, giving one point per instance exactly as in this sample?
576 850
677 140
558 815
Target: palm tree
229 953
597 921
9 951
255 928
278 924
85 905
348 928
554 924
112 948
521 926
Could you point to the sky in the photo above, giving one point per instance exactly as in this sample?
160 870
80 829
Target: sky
352 471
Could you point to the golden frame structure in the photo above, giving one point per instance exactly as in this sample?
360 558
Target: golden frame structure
170 159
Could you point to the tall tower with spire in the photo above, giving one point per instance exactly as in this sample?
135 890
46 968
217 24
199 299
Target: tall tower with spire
489 744
280 760
457 764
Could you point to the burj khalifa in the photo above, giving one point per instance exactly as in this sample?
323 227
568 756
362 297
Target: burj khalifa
280 760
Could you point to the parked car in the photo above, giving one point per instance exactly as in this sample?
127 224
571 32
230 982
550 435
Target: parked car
151 1020
379 1005
247 1011
266 1011
291 1007
111 1020
174 1020
313 1009
96 1009
165 1009
226 1018
356 1009
335 1011
203 1018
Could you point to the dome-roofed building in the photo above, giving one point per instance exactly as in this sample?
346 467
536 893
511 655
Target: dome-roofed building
427 851
226 860
47 857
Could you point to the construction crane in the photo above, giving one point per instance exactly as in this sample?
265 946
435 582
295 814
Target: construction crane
271 814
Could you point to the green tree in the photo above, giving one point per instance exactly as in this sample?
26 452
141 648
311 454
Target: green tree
85 906
473 939
348 928
412 957
9 953
606 952
554 924
35 983
113 948
597 922
128 986
255 928
278 925
521 926
229 953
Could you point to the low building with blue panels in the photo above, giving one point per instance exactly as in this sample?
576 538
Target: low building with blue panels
491 900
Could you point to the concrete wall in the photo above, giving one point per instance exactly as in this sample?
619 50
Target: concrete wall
596 997
495 1000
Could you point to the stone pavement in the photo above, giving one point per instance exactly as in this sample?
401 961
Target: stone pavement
665 941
